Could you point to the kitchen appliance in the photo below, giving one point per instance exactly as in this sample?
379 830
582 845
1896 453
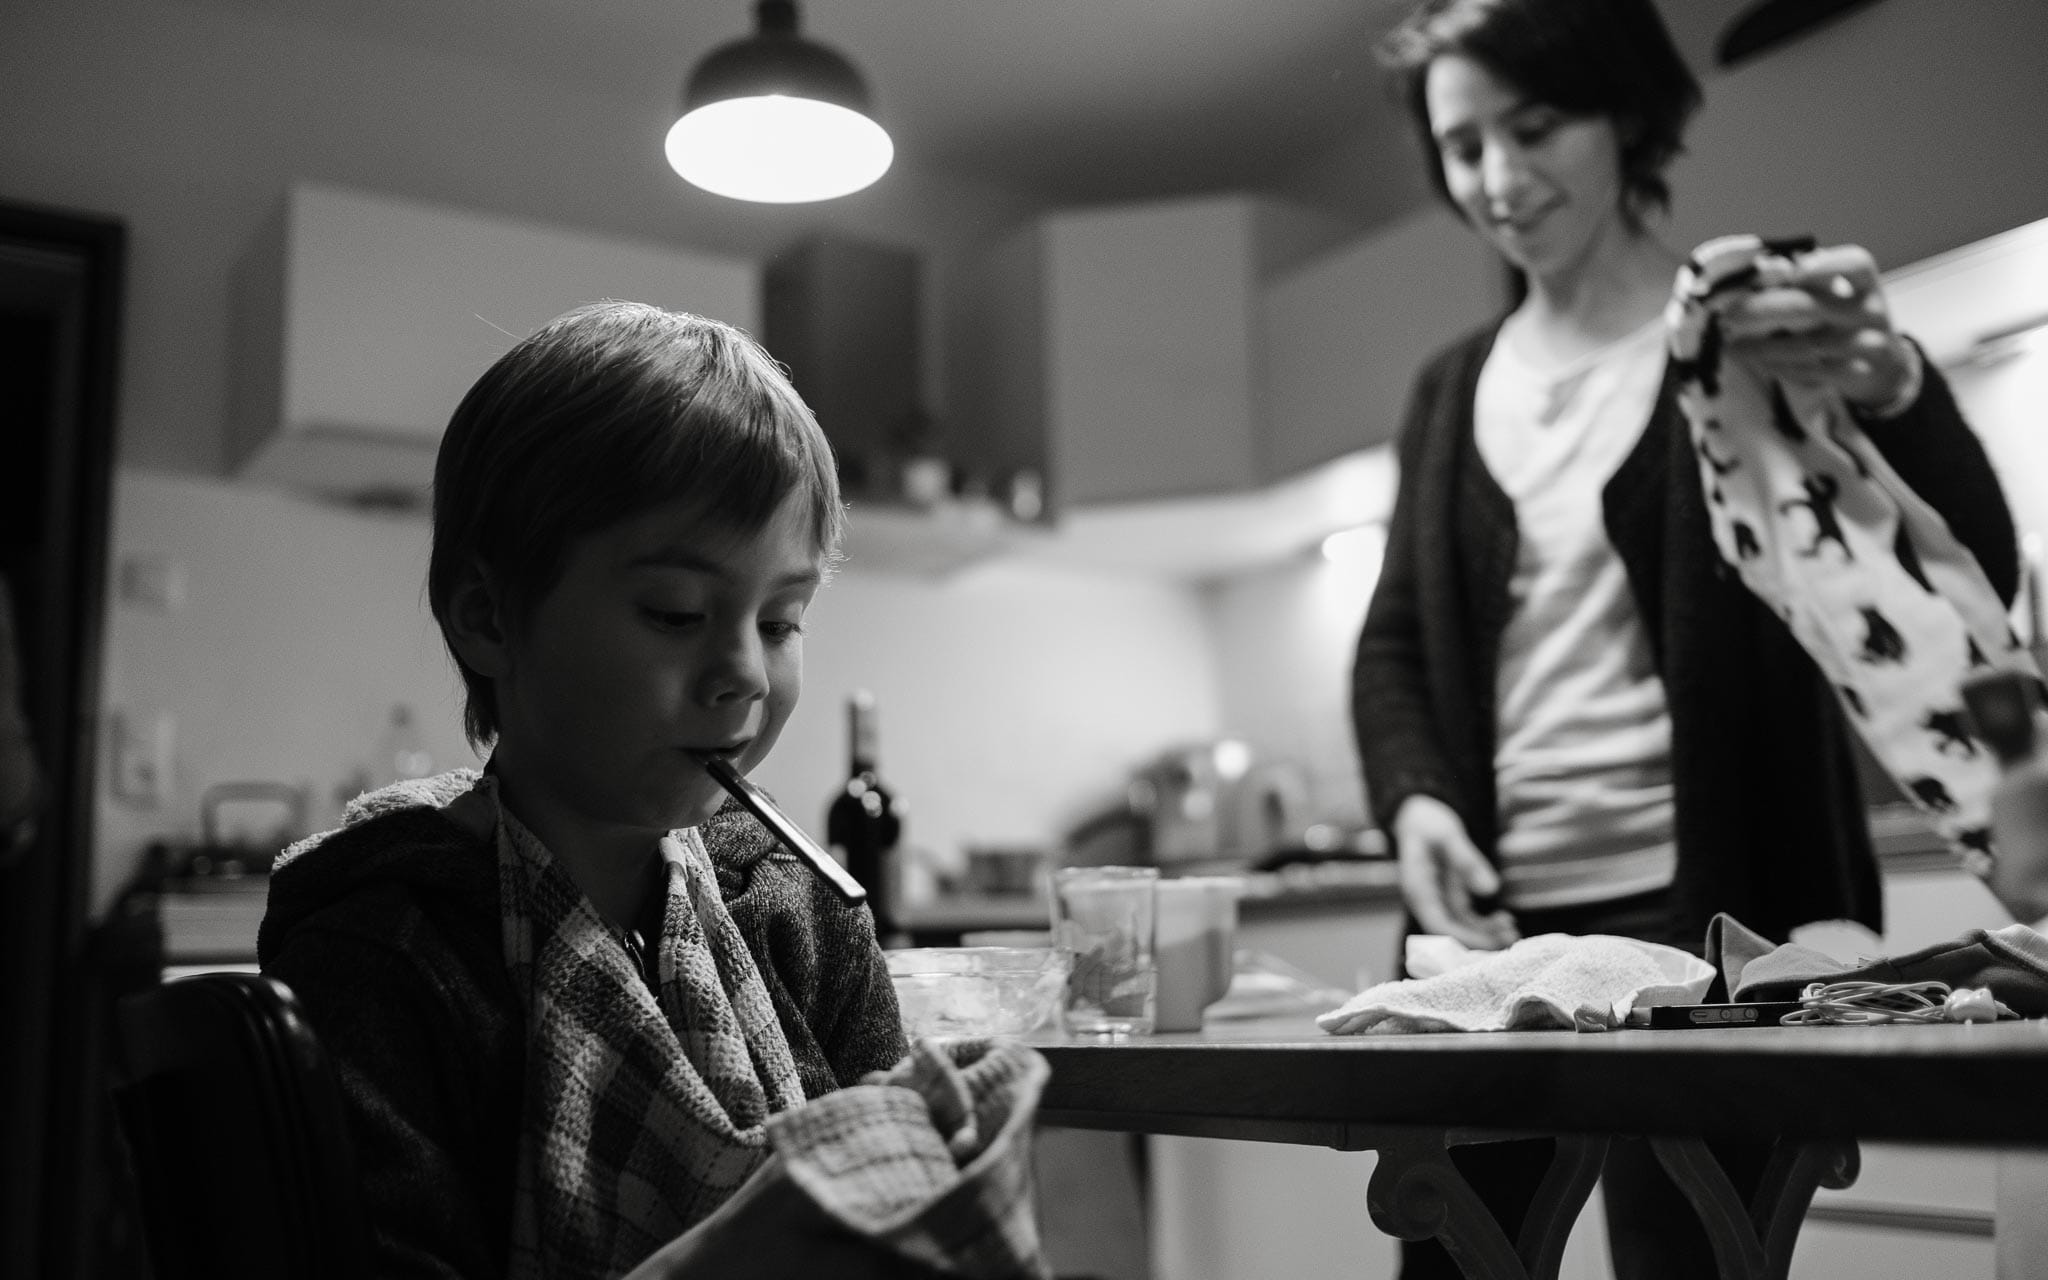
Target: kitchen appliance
233 844
1216 804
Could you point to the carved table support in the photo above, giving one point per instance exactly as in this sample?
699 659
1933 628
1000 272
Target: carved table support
1754 1241
1417 1192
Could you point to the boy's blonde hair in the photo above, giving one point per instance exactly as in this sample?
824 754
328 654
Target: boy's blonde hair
606 411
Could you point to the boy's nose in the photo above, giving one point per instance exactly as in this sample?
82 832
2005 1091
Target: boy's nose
739 673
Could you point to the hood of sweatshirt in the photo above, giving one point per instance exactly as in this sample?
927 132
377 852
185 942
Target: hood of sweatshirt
431 835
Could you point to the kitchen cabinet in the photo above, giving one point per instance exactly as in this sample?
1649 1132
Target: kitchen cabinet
1913 1209
1187 347
1343 335
842 316
361 320
1221 1208
1112 351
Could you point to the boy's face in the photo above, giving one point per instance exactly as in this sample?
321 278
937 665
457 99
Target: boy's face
663 638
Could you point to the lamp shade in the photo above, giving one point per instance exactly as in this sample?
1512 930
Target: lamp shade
777 118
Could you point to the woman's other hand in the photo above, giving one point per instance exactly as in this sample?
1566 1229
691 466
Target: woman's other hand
1828 327
1442 871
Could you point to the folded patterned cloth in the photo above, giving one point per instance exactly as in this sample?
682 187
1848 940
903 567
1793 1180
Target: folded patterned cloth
931 1159
1553 980
2011 962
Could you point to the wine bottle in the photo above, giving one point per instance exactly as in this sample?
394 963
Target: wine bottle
863 823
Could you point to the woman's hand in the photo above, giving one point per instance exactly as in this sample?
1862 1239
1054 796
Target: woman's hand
1828 327
1442 871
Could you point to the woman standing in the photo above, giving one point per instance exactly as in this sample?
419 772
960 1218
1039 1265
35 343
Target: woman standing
1572 717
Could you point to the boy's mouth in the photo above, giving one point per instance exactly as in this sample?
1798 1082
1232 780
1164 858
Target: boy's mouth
728 751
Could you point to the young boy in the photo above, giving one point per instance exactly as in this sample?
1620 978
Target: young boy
565 993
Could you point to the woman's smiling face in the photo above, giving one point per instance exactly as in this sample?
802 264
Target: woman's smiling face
1544 187
661 640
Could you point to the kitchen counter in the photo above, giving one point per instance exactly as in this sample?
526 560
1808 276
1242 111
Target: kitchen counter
1302 889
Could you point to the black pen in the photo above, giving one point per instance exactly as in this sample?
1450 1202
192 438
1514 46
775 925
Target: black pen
798 841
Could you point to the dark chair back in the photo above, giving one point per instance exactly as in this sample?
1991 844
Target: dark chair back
235 1122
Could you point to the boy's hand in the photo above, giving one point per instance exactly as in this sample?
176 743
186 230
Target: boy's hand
1828 327
1442 872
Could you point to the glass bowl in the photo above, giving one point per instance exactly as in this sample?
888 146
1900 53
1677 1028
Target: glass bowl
978 991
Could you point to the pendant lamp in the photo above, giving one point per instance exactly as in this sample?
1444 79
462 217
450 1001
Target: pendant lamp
777 118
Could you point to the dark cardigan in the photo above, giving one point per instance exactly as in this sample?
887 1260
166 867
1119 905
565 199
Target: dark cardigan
1768 808
389 934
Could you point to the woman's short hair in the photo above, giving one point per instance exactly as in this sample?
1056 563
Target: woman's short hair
1611 58
606 411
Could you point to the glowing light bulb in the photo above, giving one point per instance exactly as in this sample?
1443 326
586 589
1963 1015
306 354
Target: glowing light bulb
777 149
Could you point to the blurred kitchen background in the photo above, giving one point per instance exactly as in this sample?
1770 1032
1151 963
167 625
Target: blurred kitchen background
1134 314
1201 358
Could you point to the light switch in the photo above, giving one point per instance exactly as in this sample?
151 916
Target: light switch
143 756
156 583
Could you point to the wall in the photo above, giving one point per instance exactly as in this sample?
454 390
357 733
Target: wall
1284 642
1012 697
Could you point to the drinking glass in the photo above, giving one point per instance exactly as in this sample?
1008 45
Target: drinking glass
1104 915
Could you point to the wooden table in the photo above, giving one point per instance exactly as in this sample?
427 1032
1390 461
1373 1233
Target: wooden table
1810 1093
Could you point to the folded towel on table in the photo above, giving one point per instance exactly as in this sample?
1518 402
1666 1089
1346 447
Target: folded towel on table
1553 980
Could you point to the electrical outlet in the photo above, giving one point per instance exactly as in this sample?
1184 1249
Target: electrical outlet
143 756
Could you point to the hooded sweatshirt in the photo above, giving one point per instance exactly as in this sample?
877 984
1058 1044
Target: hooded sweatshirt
388 930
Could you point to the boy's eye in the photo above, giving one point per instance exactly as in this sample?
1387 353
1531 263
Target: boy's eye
671 619
778 630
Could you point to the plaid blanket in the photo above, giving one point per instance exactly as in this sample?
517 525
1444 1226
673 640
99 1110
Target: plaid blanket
643 1115
930 1159
646 1112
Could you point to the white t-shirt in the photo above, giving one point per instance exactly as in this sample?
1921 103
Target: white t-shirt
1583 762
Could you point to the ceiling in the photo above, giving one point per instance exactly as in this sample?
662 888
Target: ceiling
1061 101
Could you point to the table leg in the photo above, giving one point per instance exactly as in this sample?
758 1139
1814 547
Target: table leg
1417 1192
1755 1241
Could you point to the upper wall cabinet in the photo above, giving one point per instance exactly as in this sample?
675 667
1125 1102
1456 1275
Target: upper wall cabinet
1112 351
1149 352
361 321
1343 336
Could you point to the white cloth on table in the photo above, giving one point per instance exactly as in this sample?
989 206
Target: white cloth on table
1551 981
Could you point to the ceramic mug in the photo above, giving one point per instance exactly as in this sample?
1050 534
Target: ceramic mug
1194 947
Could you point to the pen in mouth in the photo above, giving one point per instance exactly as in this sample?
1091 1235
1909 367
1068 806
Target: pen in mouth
792 836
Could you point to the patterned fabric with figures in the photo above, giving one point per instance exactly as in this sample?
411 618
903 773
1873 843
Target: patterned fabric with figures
1893 609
